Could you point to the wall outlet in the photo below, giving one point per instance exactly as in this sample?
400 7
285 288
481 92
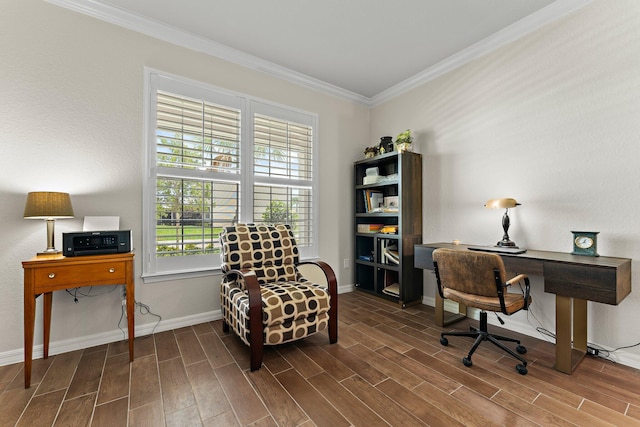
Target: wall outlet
347 263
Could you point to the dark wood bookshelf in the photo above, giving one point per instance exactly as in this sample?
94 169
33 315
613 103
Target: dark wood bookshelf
403 172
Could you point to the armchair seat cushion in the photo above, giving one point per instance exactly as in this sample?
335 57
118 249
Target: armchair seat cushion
291 310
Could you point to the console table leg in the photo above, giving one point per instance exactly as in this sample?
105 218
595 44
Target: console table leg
46 311
29 320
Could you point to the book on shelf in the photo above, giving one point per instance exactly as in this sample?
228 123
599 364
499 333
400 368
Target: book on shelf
369 228
389 229
373 200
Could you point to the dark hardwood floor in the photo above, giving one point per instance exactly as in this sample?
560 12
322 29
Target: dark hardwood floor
388 368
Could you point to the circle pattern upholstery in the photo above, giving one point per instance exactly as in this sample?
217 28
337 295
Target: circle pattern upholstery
292 306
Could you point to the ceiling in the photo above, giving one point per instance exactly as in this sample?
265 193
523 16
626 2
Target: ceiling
360 49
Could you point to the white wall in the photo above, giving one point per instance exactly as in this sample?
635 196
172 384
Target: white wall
71 91
552 120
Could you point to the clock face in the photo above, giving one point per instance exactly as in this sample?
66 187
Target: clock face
584 242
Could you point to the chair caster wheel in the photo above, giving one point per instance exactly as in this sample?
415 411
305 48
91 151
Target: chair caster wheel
466 361
522 370
444 341
521 349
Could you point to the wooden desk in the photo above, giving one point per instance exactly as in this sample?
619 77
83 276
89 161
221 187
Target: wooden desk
45 274
574 279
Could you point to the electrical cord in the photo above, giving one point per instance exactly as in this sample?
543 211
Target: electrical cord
144 310
76 292
592 349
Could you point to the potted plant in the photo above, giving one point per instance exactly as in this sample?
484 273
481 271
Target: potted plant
370 152
403 141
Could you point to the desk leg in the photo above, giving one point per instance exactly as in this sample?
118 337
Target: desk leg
46 311
571 326
444 318
580 325
29 320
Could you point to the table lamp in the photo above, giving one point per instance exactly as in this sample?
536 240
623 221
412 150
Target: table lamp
504 204
48 206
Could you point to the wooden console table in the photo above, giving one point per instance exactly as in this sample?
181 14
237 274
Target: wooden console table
48 273
574 279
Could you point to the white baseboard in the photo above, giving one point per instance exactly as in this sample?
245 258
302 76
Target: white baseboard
64 346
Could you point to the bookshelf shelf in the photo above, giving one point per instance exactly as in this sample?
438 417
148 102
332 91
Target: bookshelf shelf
388 270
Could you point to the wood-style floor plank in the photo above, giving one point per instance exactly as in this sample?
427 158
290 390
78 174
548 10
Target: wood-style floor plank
177 392
87 376
246 403
77 411
388 368
207 390
115 379
145 384
311 401
113 413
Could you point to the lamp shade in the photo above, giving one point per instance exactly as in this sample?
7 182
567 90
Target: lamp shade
48 205
501 203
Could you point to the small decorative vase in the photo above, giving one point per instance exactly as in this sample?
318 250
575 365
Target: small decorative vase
386 144
369 154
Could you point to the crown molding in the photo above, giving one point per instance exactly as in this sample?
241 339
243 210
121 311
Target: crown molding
515 31
184 39
181 38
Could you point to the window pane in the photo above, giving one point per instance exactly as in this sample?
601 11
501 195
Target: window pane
191 213
288 205
282 148
193 134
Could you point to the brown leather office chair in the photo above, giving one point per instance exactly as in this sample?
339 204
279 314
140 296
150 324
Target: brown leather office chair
478 279
265 299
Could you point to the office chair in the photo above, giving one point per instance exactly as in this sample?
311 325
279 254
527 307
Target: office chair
477 279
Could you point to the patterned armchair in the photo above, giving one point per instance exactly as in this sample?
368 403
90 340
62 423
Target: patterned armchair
264 298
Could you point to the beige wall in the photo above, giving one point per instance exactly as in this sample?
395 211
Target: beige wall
552 120
71 106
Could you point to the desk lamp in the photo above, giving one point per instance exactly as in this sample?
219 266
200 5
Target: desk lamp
48 206
504 204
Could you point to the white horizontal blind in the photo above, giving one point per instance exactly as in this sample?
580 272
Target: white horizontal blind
283 168
193 134
197 184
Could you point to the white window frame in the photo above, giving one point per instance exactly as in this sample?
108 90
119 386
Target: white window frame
201 265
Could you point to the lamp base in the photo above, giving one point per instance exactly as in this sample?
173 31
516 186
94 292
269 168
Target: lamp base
506 244
49 252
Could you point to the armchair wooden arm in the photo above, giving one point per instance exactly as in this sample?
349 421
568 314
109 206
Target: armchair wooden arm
332 284
255 312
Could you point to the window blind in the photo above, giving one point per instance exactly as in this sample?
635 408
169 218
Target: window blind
282 162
